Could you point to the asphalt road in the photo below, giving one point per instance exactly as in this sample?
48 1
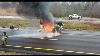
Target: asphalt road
77 41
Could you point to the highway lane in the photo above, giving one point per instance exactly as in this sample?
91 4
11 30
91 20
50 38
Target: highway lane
70 40
77 45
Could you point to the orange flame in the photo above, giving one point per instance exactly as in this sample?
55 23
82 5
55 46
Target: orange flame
47 26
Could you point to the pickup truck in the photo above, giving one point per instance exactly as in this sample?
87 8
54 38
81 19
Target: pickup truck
74 16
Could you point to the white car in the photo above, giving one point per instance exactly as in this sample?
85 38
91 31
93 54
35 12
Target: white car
74 16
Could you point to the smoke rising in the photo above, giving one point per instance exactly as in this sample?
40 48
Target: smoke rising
35 9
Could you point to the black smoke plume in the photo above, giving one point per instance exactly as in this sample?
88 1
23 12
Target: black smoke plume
35 9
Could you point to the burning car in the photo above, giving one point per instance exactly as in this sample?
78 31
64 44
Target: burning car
49 29
41 10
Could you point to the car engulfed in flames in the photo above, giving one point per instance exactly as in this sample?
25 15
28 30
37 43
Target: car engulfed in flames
47 26
48 29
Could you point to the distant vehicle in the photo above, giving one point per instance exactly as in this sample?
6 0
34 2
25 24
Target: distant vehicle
75 16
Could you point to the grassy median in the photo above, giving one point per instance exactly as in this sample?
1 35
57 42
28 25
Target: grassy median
82 26
17 23
34 23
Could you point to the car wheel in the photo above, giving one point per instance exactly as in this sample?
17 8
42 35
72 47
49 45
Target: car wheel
78 18
70 18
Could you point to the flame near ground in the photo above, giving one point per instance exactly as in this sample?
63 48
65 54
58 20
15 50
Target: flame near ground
47 28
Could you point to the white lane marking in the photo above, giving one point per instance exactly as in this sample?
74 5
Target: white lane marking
53 39
8 45
97 54
27 47
41 38
38 48
79 52
69 51
59 50
89 35
90 53
17 46
48 49
70 34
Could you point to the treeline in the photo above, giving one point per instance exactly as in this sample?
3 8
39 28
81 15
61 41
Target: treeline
58 9
85 9
8 12
8 8
8 4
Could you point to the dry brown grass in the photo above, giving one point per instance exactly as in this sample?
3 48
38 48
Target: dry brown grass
82 26
18 23
67 25
8 11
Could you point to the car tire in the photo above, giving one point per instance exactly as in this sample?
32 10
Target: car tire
78 18
70 18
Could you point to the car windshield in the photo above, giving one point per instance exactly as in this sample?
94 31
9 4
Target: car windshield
75 14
